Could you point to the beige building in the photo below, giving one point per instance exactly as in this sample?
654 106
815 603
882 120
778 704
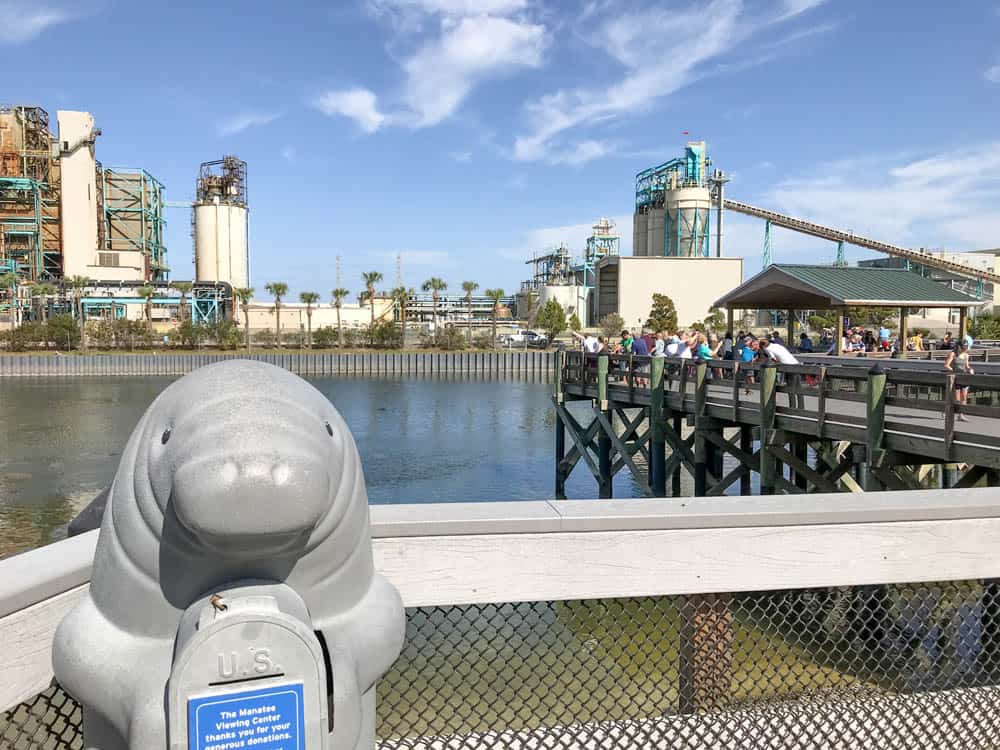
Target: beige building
626 285
294 318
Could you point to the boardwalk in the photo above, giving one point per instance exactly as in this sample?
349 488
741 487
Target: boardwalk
879 428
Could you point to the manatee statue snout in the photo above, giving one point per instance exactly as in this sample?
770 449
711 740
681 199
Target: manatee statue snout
245 488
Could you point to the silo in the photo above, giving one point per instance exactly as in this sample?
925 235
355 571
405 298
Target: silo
688 210
220 223
221 243
654 232
571 297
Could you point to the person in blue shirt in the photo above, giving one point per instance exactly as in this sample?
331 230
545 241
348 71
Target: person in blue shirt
805 344
883 338
640 347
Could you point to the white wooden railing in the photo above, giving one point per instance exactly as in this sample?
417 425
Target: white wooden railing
469 553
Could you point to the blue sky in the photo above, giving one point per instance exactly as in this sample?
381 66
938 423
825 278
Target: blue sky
466 134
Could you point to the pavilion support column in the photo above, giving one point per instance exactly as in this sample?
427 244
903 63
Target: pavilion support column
904 333
963 322
840 331
790 317
729 320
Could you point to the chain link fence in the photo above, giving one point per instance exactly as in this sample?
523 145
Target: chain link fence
901 666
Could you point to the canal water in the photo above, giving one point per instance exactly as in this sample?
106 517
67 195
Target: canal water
421 440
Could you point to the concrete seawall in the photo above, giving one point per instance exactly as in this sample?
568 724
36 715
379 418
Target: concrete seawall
499 363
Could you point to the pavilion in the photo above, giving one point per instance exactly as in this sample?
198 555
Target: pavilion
803 287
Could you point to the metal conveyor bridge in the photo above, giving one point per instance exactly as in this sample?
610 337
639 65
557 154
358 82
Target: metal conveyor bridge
835 235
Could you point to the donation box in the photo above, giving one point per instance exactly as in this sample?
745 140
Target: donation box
248 672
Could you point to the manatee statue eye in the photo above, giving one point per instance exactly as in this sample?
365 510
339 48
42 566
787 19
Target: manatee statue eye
165 437
329 429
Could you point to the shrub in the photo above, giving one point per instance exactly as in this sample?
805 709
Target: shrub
325 337
264 337
662 316
63 331
226 333
482 341
385 334
552 319
612 324
574 322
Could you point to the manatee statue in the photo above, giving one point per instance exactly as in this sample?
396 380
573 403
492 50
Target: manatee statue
238 471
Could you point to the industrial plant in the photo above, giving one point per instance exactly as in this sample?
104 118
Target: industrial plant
66 217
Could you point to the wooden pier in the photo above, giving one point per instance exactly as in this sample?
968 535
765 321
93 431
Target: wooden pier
799 428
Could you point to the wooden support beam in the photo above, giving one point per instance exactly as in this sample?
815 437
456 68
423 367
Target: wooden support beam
706 653
746 447
576 435
560 455
605 487
804 470
839 346
972 476
904 332
675 473
657 442
875 416
701 451
608 431
768 404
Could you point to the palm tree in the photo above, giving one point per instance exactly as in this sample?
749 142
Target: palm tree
496 295
8 281
401 296
147 293
184 287
469 287
78 284
435 285
43 292
244 294
371 278
309 298
338 295
277 289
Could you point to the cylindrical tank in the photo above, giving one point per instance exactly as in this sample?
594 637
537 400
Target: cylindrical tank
571 298
220 243
639 223
688 211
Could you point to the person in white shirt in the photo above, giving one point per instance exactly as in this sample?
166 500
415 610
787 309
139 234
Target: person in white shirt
672 348
590 343
781 355
660 345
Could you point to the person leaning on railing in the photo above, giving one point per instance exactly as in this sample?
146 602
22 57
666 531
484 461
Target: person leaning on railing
960 357
778 353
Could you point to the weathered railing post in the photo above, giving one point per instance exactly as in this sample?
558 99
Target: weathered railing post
605 488
560 430
701 446
657 443
768 410
875 424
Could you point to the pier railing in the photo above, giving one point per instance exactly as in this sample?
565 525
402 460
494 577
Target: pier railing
914 413
814 621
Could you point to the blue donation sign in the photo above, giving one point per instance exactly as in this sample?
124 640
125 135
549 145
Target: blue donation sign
270 718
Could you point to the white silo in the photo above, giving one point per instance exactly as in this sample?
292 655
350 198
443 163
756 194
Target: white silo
687 213
220 223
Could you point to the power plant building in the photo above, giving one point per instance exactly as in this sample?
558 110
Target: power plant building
671 247
220 223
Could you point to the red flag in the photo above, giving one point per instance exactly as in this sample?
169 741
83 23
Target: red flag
685 133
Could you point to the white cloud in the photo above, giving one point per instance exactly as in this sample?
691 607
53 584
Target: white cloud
993 74
574 236
942 200
462 157
23 21
659 56
582 152
453 46
441 73
288 153
360 105
241 122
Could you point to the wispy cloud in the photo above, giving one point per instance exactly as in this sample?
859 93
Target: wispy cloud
993 74
936 201
239 123
462 157
659 57
288 153
582 152
471 42
358 104
24 20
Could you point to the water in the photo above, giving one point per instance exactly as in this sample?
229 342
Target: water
421 440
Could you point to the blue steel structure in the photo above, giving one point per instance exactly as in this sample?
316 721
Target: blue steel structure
602 242
687 224
133 216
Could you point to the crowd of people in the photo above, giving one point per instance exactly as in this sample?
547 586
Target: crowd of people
861 341
693 345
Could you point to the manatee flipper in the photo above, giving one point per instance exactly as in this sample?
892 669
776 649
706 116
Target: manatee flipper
90 517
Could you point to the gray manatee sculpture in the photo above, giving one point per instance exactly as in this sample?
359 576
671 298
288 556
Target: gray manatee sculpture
238 471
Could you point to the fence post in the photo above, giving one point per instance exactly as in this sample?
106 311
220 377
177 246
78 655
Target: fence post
875 421
768 409
606 489
560 435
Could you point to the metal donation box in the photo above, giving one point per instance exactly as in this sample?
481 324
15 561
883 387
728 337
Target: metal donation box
248 672
234 602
